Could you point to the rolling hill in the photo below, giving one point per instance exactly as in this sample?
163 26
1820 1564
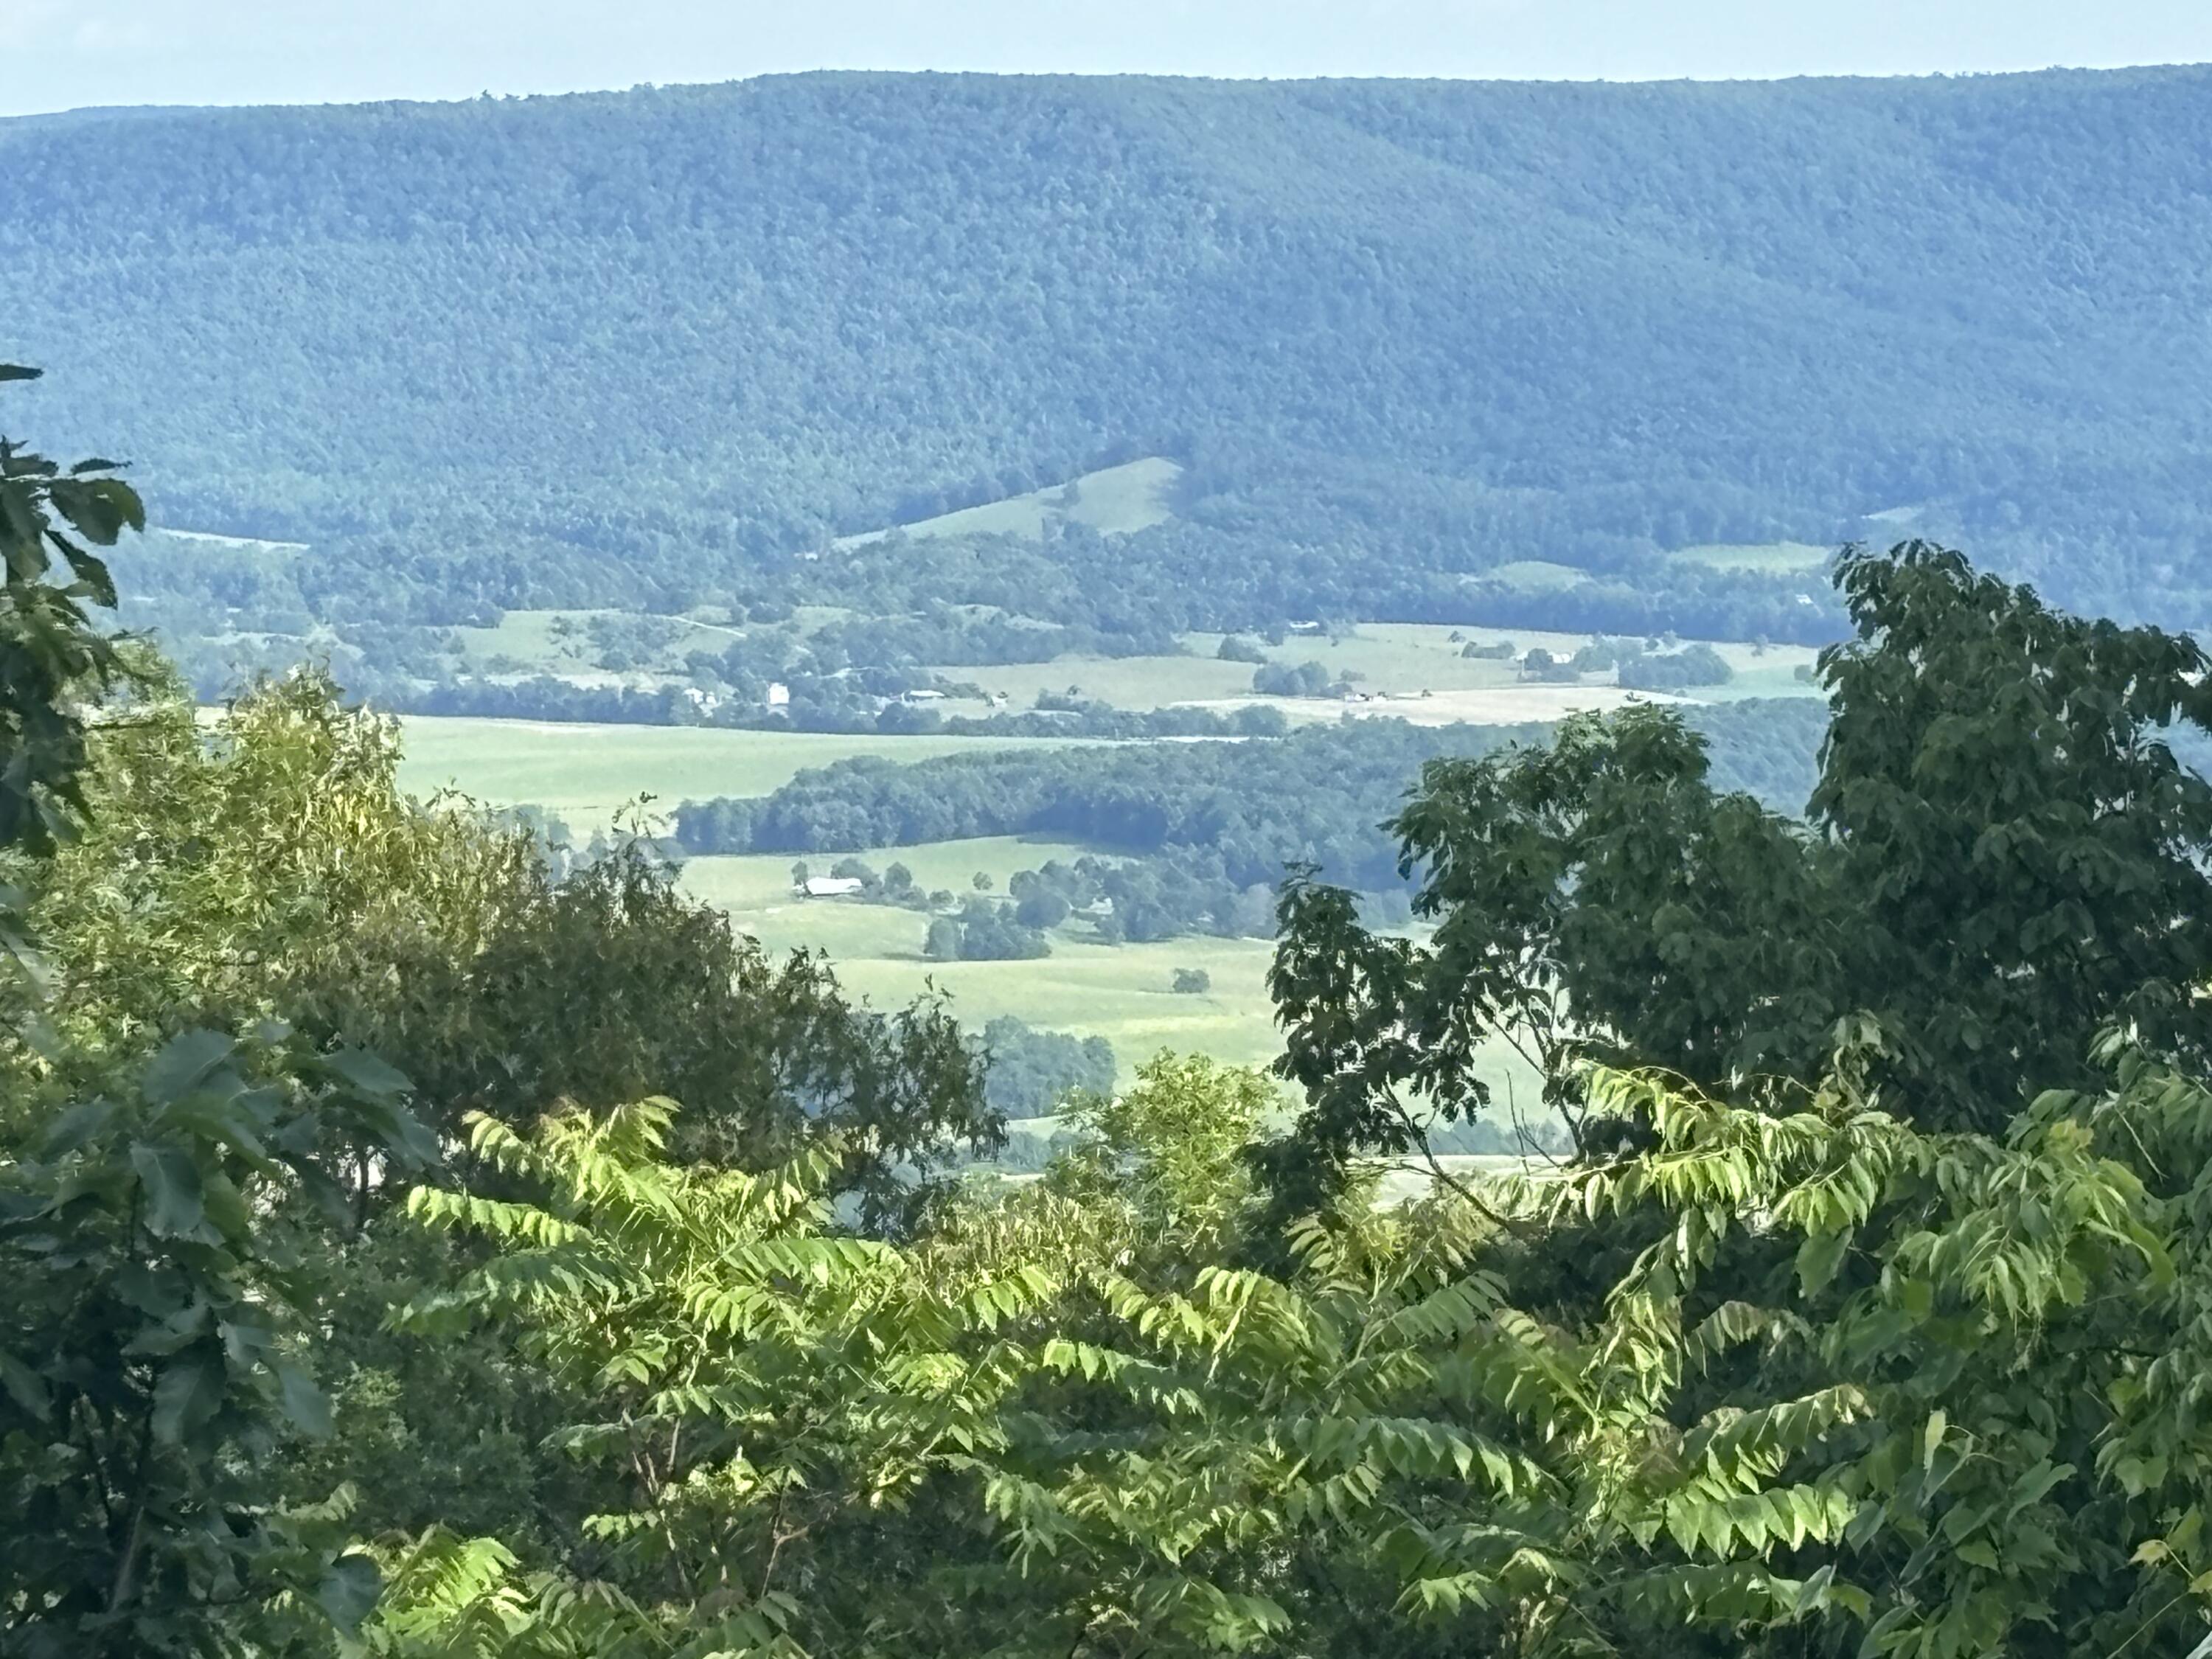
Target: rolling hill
655 347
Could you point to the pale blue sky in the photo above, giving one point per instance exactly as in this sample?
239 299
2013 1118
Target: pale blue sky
62 54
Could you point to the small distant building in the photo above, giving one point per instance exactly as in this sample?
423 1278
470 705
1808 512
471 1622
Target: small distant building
1306 630
705 701
925 696
996 699
830 886
779 695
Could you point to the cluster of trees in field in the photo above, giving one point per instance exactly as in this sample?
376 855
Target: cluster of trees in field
1115 900
1651 665
983 930
1304 679
1142 900
407 1250
1675 340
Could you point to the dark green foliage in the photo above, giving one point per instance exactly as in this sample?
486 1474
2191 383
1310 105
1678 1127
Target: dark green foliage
167 1258
984 932
1028 1071
1042 910
1674 671
2025 857
614 984
1191 983
1840 1334
2003 860
1306 679
51 652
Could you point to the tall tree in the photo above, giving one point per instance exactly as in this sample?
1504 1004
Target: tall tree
2002 857
50 653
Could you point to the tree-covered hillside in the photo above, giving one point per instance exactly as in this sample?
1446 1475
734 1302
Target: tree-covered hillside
552 351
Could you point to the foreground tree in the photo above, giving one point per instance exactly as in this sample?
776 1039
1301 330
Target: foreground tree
52 654
174 1235
164 1219
167 1258
2002 857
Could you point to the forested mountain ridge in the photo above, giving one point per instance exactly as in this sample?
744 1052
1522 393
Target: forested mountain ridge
650 347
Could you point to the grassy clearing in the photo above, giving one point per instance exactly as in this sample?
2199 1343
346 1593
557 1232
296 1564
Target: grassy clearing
1537 576
1775 676
1397 662
586 773
168 538
556 642
1114 501
1771 672
1398 659
1118 991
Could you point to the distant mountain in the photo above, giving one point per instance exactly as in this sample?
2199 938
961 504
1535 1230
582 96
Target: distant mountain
660 345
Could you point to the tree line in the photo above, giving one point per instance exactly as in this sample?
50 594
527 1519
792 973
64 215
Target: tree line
1242 809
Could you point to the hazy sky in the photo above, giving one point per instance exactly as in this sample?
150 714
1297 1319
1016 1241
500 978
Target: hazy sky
61 54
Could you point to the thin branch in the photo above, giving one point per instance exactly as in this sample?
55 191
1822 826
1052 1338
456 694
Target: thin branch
1476 1200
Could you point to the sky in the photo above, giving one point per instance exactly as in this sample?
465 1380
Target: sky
65 54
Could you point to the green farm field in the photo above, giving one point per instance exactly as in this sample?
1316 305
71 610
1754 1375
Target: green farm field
1113 501
1402 659
585 774
1396 662
556 642
1117 992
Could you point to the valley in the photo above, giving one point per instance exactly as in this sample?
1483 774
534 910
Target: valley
908 865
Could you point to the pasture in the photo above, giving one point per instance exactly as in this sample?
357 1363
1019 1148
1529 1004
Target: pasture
559 643
585 774
1113 501
1121 992
1395 662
